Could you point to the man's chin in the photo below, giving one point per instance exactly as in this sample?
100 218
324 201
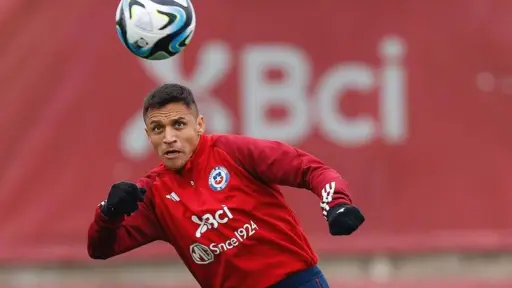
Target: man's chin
175 163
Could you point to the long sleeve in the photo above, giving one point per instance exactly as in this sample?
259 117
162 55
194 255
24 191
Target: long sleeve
277 163
110 237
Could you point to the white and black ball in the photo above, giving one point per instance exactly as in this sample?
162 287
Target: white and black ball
155 29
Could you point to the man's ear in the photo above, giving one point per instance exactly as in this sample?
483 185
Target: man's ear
146 127
200 125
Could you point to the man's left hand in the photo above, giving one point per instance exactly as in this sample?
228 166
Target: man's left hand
344 219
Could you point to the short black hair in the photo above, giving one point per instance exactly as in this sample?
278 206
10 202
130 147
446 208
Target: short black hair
169 93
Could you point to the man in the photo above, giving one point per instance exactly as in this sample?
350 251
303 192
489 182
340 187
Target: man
216 200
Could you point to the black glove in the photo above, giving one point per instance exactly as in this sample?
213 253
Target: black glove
344 219
123 199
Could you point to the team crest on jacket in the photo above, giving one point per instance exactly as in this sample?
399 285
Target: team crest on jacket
219 178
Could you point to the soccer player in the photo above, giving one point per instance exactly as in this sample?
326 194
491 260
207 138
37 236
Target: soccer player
216 200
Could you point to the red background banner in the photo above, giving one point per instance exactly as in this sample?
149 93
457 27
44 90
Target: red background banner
410 102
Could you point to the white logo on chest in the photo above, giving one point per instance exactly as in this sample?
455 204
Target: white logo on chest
209 221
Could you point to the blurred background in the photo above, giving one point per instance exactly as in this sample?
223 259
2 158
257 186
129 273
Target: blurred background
410 100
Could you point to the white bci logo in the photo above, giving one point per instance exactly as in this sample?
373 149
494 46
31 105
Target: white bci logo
304 95
327 194
209 221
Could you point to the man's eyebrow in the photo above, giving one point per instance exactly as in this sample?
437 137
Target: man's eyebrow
173 119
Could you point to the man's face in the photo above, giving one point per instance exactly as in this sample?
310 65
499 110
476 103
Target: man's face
174 131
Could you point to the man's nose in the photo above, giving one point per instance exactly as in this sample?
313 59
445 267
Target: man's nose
169 136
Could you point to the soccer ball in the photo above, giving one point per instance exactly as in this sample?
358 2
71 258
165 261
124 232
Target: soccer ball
155 29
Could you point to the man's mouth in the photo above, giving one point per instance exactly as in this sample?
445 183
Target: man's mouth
171 153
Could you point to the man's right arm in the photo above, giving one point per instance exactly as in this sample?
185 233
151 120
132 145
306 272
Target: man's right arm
110 237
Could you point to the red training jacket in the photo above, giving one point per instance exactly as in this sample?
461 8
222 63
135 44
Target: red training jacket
224 213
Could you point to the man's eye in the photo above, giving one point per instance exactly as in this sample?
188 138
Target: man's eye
156 128
179 124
